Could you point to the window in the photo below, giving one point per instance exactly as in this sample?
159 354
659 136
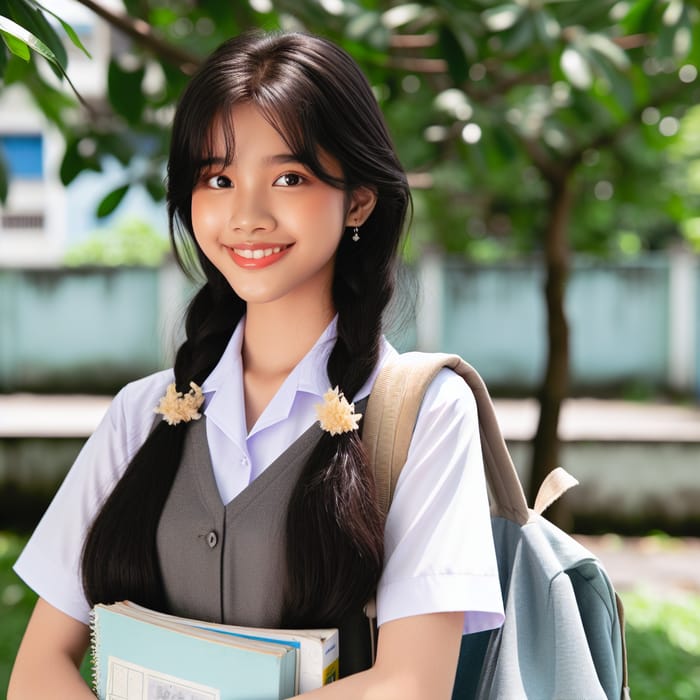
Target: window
23 154
31 221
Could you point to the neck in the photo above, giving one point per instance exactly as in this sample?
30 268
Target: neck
277 338
274 342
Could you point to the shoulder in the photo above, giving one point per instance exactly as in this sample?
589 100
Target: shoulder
131 413
447 414
447 393
144 391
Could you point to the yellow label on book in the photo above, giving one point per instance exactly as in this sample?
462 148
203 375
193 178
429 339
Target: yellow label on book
330 673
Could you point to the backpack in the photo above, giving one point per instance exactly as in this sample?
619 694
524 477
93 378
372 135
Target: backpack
563 635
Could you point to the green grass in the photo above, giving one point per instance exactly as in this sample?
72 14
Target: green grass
663 634
16 603
663 646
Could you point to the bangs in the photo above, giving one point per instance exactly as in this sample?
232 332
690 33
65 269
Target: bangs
288 120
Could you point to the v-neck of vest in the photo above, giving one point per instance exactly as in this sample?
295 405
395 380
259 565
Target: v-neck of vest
298 451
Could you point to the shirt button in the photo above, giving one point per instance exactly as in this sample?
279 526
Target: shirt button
212 539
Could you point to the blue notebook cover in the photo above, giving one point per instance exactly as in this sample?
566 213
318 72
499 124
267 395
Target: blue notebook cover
137 660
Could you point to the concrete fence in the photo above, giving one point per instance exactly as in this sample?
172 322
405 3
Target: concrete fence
634 325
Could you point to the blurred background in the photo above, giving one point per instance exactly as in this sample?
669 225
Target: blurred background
553 150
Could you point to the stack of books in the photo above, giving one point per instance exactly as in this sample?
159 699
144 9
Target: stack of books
140 654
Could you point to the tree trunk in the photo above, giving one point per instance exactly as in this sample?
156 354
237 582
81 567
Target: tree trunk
555 383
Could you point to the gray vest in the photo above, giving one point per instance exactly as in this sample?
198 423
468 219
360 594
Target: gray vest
226 563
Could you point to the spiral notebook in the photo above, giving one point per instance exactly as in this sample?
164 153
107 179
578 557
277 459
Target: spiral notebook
140 654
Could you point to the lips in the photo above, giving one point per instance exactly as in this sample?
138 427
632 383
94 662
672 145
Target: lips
257 256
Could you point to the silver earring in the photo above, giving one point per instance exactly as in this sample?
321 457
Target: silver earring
355 234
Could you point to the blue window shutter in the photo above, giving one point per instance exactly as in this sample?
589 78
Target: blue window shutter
23 155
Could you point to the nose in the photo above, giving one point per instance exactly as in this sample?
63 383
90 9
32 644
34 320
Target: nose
250 212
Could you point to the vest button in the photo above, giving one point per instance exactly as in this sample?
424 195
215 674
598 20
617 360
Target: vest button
212 539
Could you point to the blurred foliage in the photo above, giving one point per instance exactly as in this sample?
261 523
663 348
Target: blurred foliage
487 102
16 603
684 153
663 646
131 241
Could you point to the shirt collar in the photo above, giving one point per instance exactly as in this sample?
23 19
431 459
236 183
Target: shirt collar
224 391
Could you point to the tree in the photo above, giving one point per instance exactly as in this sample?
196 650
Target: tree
534 121
554 84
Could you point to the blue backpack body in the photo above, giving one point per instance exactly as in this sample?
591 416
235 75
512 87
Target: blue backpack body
563 635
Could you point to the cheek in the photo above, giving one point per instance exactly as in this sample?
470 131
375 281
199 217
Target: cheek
206 215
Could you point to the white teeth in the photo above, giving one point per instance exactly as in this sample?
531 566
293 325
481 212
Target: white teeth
258 253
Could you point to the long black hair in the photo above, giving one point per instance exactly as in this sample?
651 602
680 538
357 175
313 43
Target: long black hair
319 101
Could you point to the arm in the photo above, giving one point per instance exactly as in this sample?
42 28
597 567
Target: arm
49 657
416 659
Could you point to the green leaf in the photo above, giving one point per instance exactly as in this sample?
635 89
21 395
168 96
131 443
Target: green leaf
619 87
519 37
16 46
34 21
502 17
74 162
155 187
604 46
673 12
547 27
402 14
125 91
367 27
10 29
576 68
639 16
123 149
17 70
452 52
72 34
111 201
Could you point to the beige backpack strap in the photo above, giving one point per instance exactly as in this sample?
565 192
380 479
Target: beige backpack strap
556 483
391 415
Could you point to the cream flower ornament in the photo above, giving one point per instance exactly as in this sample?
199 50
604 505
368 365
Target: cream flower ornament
177 407
335 414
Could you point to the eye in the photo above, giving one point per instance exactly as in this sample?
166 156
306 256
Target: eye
219 182
289 180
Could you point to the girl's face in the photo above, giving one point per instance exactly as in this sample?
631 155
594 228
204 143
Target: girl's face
267 223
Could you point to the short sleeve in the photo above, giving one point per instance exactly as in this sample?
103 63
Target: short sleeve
50 561
439 550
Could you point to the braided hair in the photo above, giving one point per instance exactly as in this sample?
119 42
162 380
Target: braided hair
319 101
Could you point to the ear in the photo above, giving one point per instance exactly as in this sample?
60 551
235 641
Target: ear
362 201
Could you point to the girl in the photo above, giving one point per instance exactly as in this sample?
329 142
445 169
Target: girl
239 506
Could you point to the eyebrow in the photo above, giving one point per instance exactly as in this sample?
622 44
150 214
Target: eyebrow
282 158
278 159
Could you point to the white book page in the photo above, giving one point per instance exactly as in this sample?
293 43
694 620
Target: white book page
128 681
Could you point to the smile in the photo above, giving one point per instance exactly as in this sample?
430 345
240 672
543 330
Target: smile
258 253
258 257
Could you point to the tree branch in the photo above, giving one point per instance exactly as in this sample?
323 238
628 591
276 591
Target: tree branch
142 33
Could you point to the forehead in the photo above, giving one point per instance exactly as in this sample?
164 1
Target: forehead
245 131
241 126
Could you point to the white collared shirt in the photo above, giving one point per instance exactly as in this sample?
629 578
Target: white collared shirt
439 553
